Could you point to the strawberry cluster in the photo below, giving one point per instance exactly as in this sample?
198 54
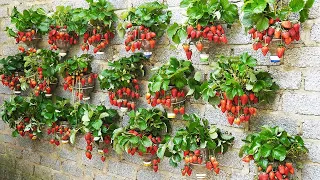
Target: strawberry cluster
96 38
58 33
213 164
139 37
238 109
89 139
155 163
167 98
286 31
20 127
56 131
205 33
190 157
27 36
124 96
152 149
12 81
280 173
79 81
39 84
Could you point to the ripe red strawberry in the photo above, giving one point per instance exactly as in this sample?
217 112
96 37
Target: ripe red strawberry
271 21
264 50
251 96
280 51
199 46
286 24
272 175
189 29
281 169
210 36
244 99
198 35
252 31
174 92
296 27
103 158
246 159
230 120
193 34
88 155
285 34
292 32
182 110
263 176
189 54
255 46
216 38
217 170
278 175
267 39
175 110
223 39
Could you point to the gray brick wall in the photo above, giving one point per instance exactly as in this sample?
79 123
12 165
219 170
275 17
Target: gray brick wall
296 109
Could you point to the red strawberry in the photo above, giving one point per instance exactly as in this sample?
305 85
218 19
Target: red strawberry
296 27
267 39
189 54
189 29
286 24
230 120
182 110
88 155
251 96
252 31
280 51
272 175
223 39
210 36
193 34
281 169
244 99
265 50
269 169
199 46
292 32
285 34
216 39
198 34
278 175
103 158
263 176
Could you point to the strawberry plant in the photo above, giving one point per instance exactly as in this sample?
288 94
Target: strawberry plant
121 80
78 77
24 116
99 123
101 25
12 72
30 25
41 72
144 24
198 144
273 150
66 28
54 116
204 25
166 86
267 22
235 86
142 135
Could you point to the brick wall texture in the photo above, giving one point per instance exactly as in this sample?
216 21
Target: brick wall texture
296 109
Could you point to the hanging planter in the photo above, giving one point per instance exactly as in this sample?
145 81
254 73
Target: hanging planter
270 24
166 86
142 33
12 73
121 81
100 30
78 77
201 143
30 26
65 28
40 71
205 26
142 136
236 87
277 153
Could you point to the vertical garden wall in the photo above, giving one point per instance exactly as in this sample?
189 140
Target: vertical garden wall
296 107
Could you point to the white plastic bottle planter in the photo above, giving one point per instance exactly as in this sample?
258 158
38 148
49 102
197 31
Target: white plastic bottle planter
204 57
147 54
147 159
273 51
64 141
171 115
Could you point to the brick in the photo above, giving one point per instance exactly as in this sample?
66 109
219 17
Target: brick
165 166
237 35
315 10
23 142
107 176
289 123
8 161
95 161
2 124
178 16
315 31
311 172
119 4
31 156
4 12
42 172
197 109
301 103
121 168
60 176
240 176
7 139
72 167
313 147
26 167
2 148
312 80
310 128
302 57
44 146
231 159
149 174
68 152
50 162
10 50
286 78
